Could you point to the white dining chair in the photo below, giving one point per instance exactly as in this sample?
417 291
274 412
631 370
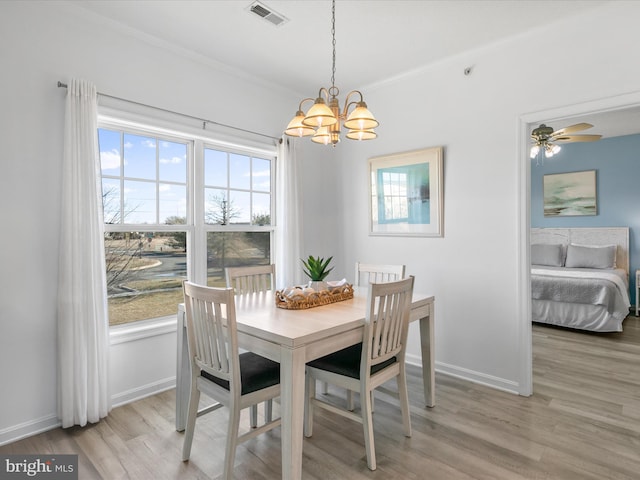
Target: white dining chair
218 370
248 280
253 279
365 274
364 367
375 273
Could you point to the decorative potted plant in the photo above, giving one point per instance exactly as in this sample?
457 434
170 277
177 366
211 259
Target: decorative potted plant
317 270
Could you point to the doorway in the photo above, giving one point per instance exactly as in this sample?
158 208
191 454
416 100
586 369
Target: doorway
592 112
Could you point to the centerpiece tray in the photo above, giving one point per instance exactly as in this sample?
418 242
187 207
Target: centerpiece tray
315 299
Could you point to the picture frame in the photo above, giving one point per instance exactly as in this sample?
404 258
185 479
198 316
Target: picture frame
406 194
570 194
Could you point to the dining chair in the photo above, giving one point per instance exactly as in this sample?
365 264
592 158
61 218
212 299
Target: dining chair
373 273
367 273
254 279
364 367
218 370
248 280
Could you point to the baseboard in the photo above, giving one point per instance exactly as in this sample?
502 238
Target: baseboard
27 429
132 395
469 375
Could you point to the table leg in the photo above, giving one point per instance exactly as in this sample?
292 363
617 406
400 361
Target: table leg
292 411
428 358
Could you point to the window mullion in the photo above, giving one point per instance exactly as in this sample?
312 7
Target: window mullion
157 186
199 257
121 177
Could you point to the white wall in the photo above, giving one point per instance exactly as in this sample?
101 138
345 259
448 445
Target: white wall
41 43
473 270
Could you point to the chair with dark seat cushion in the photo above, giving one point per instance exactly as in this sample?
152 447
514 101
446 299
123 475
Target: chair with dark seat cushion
235 380
364 367
245 281
367 273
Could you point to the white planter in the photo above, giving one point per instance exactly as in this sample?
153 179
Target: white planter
318 286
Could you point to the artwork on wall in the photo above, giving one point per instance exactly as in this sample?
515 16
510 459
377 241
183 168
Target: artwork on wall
570 194
405 191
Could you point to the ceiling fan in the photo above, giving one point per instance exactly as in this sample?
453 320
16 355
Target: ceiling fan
546 139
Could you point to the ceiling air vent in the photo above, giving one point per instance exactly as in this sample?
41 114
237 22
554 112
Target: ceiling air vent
267 14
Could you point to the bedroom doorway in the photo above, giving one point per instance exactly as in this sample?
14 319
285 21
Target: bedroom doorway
592 112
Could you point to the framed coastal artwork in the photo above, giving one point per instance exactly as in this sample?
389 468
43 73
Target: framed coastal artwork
570 194
405 193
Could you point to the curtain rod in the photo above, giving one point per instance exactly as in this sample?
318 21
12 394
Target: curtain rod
204 121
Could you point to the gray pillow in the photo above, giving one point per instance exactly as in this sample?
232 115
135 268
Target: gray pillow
582 256
550 255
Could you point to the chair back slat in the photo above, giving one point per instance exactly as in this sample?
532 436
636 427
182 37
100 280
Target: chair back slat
211 331
367 273
244 280
387 321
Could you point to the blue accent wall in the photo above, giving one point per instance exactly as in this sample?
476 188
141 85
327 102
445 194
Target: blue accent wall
617 164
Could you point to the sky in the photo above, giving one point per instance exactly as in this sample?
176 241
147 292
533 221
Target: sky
155 174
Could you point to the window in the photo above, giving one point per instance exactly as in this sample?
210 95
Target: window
157 234
394 186
144 197
237 194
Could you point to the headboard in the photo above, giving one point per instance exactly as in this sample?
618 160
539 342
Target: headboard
588 236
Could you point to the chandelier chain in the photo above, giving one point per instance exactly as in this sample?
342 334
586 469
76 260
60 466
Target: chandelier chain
333 36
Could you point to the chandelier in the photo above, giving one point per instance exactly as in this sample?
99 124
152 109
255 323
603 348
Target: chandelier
324 119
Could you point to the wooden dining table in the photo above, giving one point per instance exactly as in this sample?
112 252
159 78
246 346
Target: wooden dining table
294 337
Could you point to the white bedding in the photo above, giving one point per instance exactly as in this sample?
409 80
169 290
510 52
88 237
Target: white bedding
583 298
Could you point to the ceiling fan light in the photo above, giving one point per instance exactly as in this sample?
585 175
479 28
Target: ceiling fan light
555 149
361 134
548 151
361 118
319 115
534 151
296 128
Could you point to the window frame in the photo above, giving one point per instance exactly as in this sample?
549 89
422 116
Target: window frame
195 228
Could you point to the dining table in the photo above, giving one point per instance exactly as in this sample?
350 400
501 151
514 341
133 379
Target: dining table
293 338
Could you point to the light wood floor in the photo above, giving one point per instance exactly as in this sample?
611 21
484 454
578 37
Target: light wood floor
583 422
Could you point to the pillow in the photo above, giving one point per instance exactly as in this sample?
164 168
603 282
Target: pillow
550 255
615 251
585 256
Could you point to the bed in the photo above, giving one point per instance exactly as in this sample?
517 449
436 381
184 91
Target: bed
580 277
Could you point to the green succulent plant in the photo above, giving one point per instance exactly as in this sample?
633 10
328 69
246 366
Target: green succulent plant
316 268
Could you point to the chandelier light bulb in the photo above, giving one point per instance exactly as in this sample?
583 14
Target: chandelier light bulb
321 136
361 118
296 128
319 115
361 135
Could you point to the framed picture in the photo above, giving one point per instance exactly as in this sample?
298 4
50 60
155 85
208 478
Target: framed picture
570 194
405 191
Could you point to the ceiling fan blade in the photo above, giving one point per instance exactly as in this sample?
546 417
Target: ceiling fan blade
571 129
577 138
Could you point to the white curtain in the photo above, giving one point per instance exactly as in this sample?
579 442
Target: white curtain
83 335
288 216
